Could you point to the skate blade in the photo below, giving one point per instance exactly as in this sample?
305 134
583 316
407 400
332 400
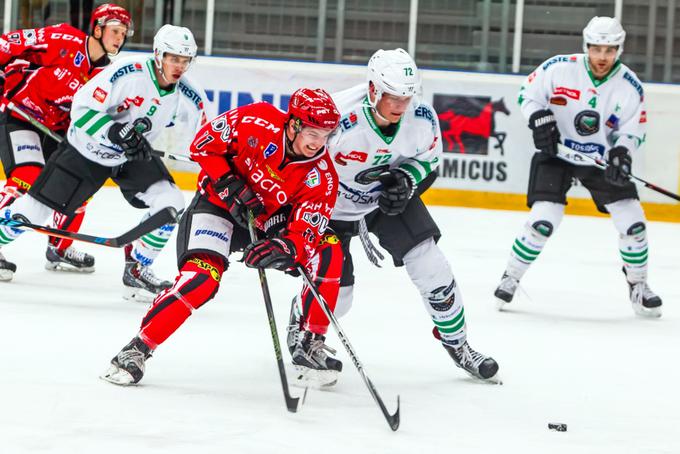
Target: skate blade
647 312
6 275
117 376
500 304
304 377
64 267
138 295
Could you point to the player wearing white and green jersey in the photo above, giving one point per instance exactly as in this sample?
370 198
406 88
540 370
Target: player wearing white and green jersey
593 105
113 118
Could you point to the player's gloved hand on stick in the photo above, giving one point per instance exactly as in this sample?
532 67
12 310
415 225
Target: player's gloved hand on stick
398 188
240 199
544 128
130 138
277 253
618 168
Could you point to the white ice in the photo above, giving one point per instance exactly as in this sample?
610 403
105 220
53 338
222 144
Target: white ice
570 351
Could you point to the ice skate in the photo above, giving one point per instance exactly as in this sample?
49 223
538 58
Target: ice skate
70 259
141 284
645 302
127 367
313 366
7 269
477 365
505 290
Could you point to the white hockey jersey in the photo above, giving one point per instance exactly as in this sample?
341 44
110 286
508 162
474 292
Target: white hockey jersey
592 115
361 152
123 92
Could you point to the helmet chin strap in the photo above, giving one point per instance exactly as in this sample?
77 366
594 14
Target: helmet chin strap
100 40
374 106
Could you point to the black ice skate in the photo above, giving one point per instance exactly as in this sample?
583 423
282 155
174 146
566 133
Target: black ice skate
477 365
7 269
293 326
70 259
127 367
141 284
314 367
506 290
645 302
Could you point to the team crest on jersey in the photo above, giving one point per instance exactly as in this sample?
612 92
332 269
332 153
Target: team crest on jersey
587 122
29 37
312 178
100 94
253 141
270 150
78 59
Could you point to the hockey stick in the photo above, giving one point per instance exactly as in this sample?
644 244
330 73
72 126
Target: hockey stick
392 420
153 222
293 404
57 138
565 152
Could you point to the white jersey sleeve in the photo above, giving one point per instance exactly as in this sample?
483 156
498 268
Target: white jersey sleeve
536 90
633 116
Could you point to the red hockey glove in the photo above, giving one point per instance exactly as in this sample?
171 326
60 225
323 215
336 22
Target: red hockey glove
239 198
277 253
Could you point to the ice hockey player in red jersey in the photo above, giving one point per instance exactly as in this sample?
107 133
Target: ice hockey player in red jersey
256 159
41 69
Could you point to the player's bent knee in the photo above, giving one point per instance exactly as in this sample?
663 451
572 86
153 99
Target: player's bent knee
199 279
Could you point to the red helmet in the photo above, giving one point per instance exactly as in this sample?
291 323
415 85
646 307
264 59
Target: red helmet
315 108
108 13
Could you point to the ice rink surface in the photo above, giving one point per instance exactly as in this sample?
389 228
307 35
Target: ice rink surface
570 350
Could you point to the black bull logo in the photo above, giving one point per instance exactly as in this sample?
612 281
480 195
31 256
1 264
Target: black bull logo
467 122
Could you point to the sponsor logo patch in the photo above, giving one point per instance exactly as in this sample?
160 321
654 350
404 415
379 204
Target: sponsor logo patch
643 116
568 92
613 121
558 101
585 147
100 94
312 178
78 59
270 150
358 156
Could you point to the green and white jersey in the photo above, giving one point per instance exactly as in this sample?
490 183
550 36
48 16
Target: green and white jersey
125 91
361 151
592 115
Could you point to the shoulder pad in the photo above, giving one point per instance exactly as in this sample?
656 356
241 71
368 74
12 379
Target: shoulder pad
633 80
559 59
191 93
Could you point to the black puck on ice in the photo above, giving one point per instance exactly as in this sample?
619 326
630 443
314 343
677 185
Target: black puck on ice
559 427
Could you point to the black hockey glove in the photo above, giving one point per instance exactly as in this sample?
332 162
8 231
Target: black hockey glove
277 253
544 127
398 188
129 137
619 163
239 198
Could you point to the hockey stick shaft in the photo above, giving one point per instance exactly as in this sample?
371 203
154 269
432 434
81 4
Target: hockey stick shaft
57 138
162 217
392 419
602 164
293 404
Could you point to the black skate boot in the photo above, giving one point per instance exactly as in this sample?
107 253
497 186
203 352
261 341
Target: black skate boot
141 284
70 259
506 290
127 367
474 363
293 326
645 302
7 269
314 367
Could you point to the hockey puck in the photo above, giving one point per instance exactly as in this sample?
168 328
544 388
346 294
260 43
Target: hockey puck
558 427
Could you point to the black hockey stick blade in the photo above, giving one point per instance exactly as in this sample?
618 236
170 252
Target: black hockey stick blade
164 216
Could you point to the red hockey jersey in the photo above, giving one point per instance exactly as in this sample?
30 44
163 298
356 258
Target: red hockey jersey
58 65
250 141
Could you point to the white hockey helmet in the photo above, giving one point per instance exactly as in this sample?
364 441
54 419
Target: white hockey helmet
174 40
604 31
393 72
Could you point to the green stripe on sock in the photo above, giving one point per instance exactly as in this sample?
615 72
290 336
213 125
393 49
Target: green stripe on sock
153 244
634 254
526 249
4 238
447 323
453 329
639 261
517 251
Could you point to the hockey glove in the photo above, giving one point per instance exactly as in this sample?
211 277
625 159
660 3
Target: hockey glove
398 188
131 140
619 163
239 198
277 253
544 127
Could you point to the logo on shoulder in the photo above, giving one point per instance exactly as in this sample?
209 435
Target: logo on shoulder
635 83
424 112
349 121
125 70
312 178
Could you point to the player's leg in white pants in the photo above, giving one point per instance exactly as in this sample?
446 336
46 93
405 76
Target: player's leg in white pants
629 220
32 211
544 218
